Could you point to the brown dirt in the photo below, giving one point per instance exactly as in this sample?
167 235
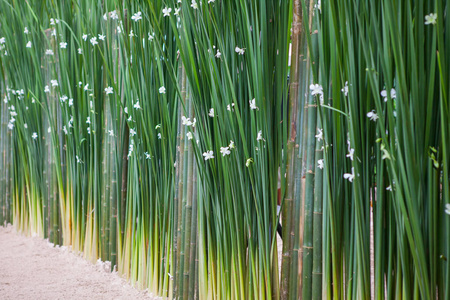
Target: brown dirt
31 268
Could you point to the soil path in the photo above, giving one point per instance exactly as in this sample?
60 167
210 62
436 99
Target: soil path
31 268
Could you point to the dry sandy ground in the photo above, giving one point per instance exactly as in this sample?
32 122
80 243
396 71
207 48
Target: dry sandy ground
31 268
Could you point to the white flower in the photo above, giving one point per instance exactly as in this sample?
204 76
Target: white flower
350 154
49 129
26 30
79 161
46 89
65 130
2 40
177 11
239 50
151 36
319 136
248 162
211 113
52 21
218 54
70 102
316 89
54 82
105 17
132 132
229 107
345 89
80 51
136 105
194 4
94 41
10 126
447 208
108 90
225 151
389 188
101 37
253 104
186 121
208 154
147 155
111 132
34 135
211 1
131 33
63 45
231 145
49 52
29 44
372 115
318 6
126 110
162 90
259 136
159 135
137 16
88 120
384 94
166 11
430 19
113 15
320 164
84 37
189 135
63 98
350 176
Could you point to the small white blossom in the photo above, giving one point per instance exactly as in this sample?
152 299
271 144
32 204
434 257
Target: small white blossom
111 132
177 11
28 44
54 82
159 135
189 135
231 145
2 40
88 120
239 51
218 54
211 112
248 162
316 89
389 188
351 153
132 132
79 161
80 51
319 136
253 104
166 11
49 52
136 105
26 30
63 45
320 164
109 90
101 37
94 41
384 94
25 125
372 115
162 90
225 151
230 107
84 37
63 98
70 102
259 136
447 208
65 130
194 4
147 155
350 176
208 154
345 89
46 89
126 110
114 15
34 135
430 19
137 16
